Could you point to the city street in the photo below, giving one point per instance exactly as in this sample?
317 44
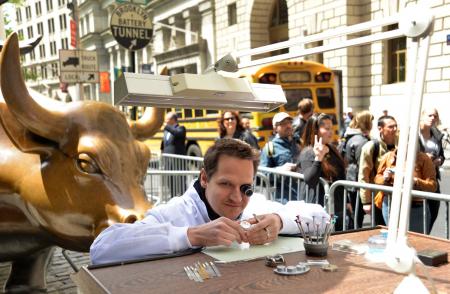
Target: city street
103 75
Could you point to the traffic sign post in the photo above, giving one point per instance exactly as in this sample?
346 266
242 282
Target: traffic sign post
78 66
131 26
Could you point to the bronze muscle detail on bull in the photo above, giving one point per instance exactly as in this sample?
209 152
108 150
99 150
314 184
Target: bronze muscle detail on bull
67 171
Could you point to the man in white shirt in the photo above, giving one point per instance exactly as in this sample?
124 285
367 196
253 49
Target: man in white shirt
208 214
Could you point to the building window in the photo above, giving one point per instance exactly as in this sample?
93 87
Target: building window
42 50
32 55
55 69
18 15
232 14
38 8
49 5
51 26
40 28
61 3
86 20
62 22
20 32
396 59
278 30
44 72
53 48
28 12
64 43
30 32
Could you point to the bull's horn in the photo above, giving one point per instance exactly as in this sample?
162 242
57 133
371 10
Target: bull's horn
151 121
148 124
48 124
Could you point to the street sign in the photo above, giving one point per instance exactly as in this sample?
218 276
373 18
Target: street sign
78 66
79 77
131 26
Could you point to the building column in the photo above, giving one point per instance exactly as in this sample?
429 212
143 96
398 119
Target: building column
205 9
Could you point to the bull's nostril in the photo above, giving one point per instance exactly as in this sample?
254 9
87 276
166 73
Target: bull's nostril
130 219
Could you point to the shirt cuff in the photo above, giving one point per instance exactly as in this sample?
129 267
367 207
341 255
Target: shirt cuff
289 225
178 239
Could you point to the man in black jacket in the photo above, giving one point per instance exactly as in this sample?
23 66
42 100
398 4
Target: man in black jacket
173 142
174 136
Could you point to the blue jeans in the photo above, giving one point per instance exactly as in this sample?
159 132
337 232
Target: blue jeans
415 215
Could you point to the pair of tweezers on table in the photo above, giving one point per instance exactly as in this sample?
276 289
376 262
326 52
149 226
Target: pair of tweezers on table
200 272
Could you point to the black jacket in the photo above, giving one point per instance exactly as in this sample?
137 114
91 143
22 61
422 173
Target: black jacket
174 140
354 141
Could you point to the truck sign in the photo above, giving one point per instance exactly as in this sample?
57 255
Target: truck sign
78 66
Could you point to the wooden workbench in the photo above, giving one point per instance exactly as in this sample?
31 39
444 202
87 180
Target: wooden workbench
355 274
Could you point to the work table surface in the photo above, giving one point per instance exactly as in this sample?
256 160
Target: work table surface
354 275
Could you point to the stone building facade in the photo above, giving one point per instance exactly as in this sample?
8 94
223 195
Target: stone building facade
189 35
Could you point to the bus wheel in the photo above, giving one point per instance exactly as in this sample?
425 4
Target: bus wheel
194 150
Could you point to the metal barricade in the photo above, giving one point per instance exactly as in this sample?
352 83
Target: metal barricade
425 196
283 186
170 174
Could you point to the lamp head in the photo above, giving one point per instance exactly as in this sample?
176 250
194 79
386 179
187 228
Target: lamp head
227 63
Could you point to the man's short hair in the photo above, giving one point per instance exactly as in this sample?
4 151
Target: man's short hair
382 120
230 147
305 106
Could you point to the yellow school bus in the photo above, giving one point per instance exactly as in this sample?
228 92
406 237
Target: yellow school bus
299 80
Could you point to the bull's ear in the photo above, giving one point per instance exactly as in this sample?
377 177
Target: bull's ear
22 138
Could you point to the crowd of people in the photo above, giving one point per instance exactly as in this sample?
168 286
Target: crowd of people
304 144
209 213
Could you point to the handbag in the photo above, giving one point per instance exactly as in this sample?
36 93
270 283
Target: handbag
379 199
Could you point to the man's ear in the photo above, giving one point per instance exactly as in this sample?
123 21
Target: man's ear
203 178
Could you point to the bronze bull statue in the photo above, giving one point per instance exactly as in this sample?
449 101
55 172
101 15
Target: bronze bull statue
67 171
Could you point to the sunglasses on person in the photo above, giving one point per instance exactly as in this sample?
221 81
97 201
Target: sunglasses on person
229 118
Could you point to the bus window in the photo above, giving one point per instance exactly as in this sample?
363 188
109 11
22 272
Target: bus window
325 98
179 112
198 113
209 111
294 96
187 113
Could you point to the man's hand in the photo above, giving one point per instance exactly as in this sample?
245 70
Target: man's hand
222 231
265 230
367 208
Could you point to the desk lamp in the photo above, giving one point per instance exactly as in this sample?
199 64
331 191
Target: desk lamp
210 90
417 25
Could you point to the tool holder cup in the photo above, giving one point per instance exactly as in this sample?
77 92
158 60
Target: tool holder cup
315 246
315 236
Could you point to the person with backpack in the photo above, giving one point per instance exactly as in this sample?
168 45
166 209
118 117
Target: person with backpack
305 111
356 135
281 153
371 153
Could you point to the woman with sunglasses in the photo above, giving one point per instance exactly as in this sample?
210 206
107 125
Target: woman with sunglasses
430 142
230 127
320 158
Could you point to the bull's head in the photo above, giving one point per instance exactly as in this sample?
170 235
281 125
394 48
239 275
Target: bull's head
85 167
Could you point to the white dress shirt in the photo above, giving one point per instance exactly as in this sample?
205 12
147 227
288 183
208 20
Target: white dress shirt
164 229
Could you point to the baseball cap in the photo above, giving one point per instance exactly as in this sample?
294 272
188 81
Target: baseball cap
279 117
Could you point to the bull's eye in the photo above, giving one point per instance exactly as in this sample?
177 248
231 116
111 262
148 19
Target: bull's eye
87 164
